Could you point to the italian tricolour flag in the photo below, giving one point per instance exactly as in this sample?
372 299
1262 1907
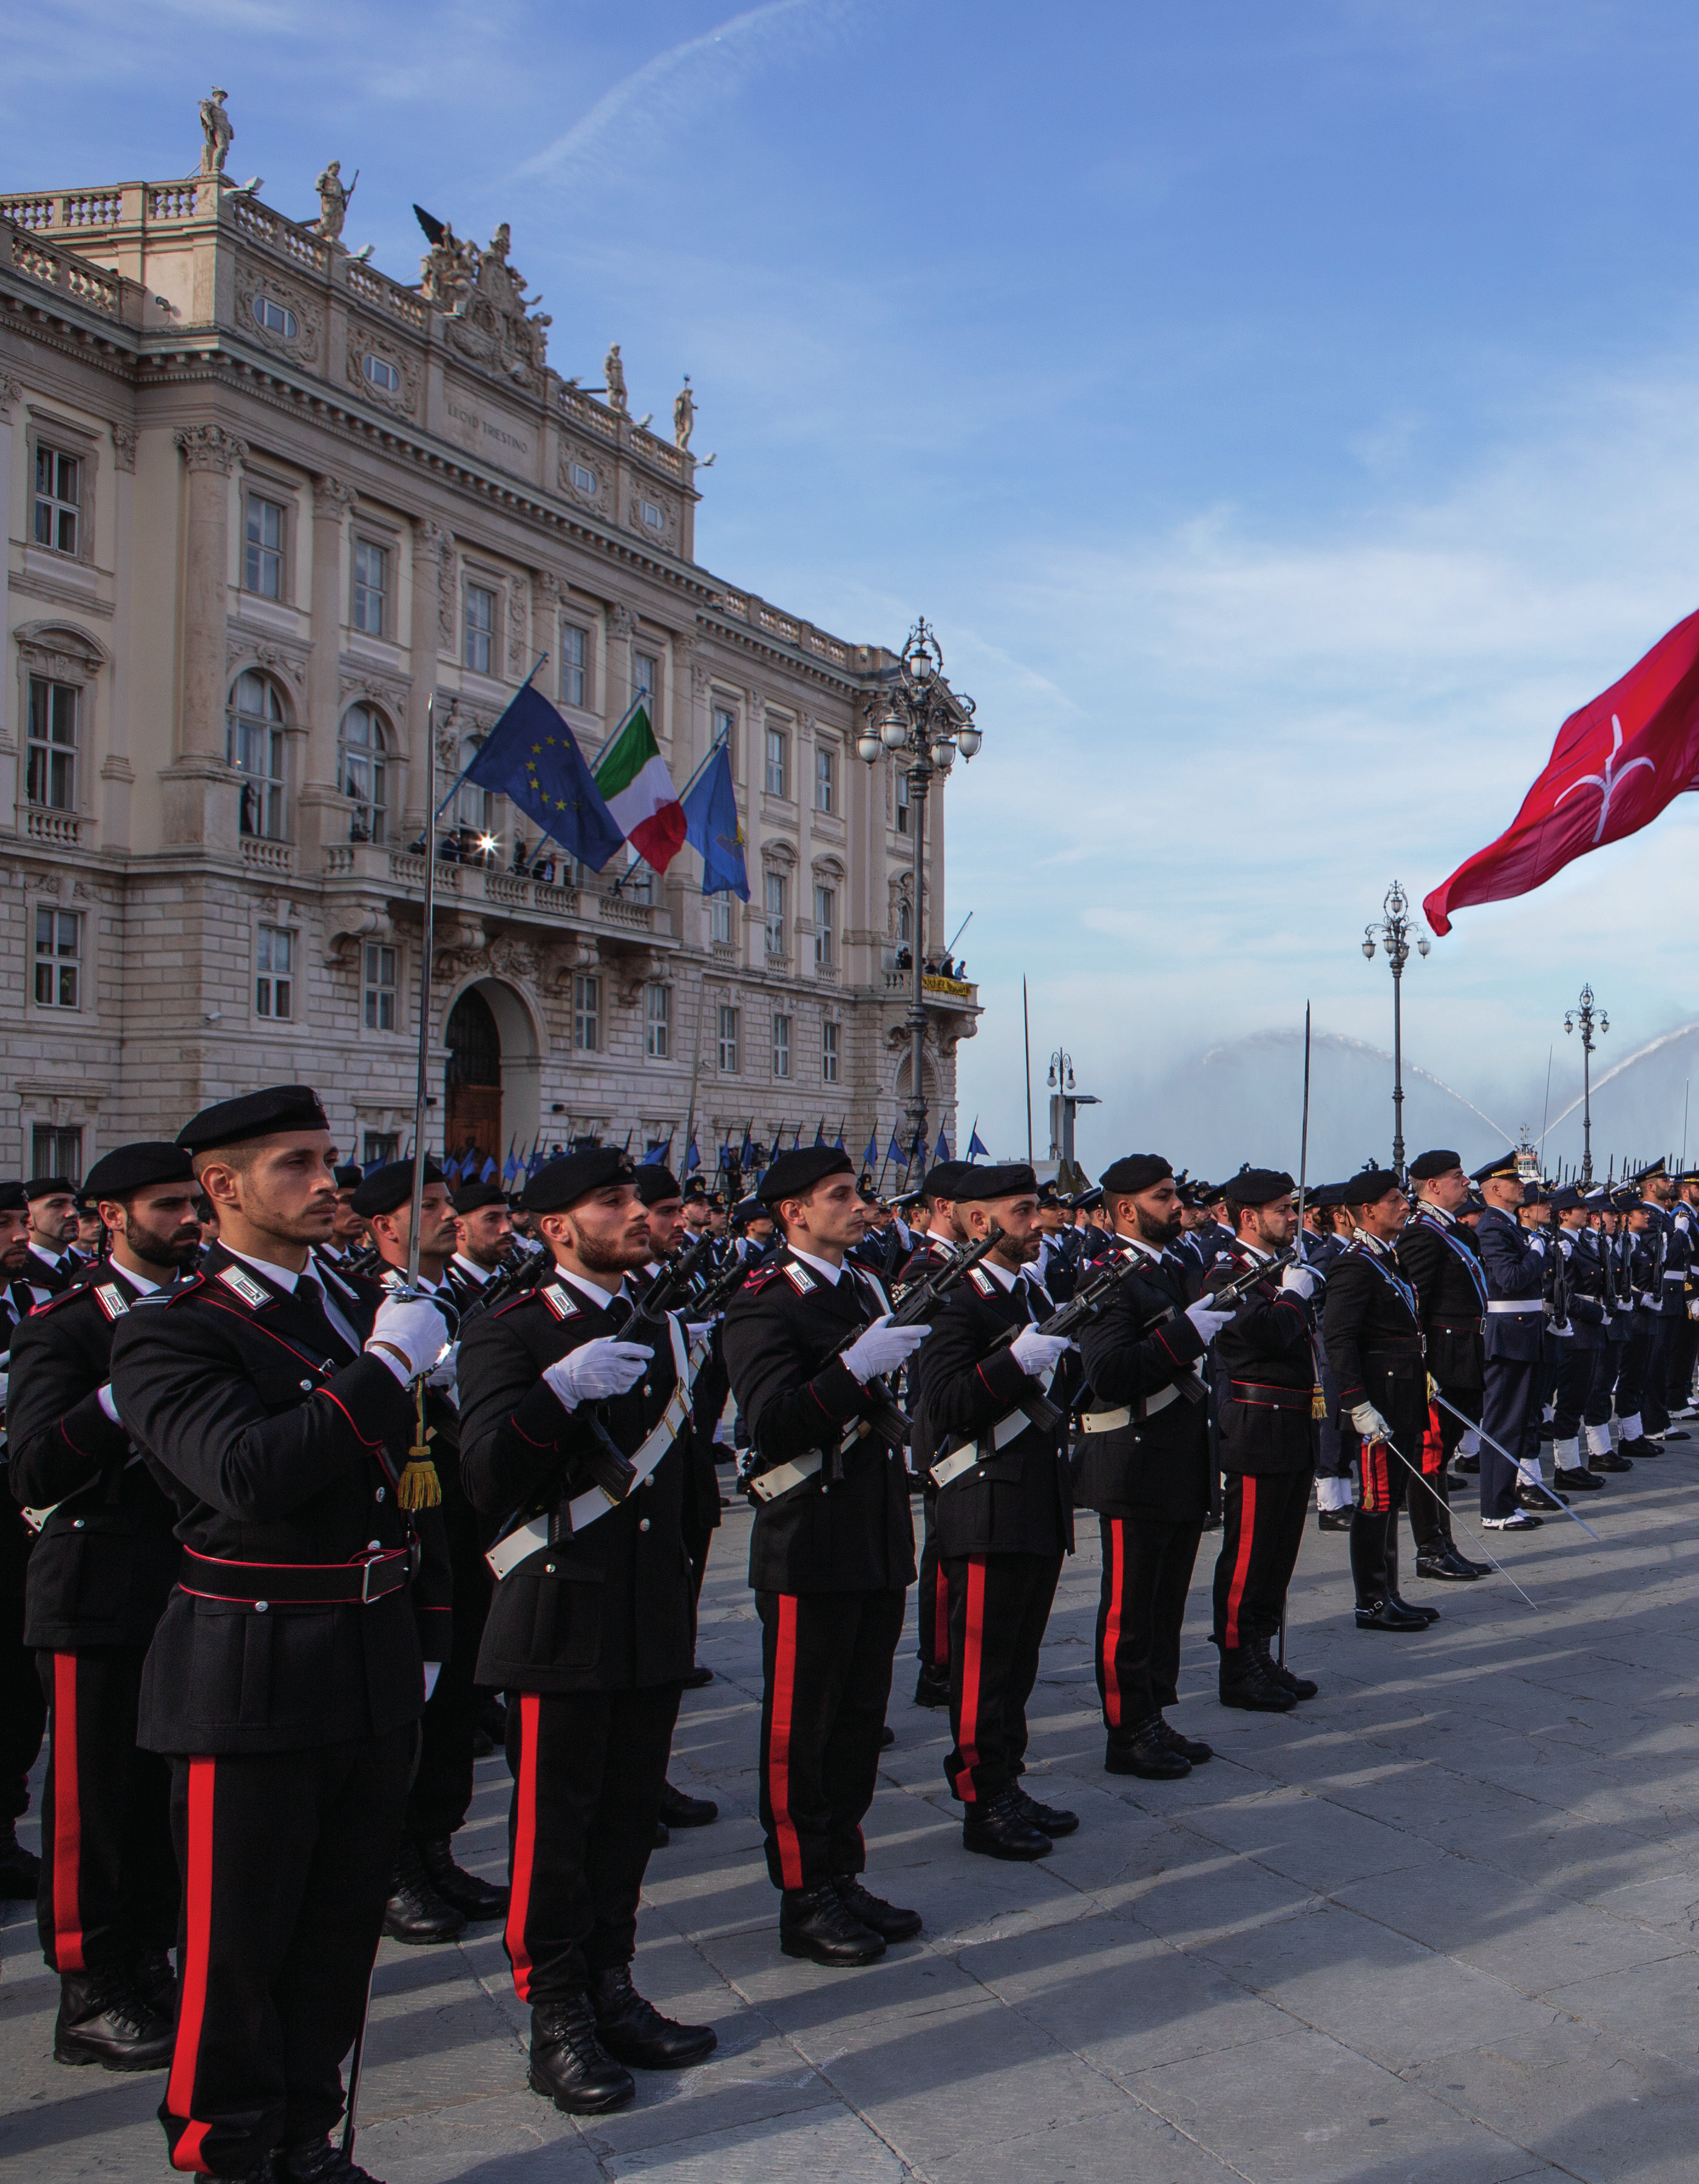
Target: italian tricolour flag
637 788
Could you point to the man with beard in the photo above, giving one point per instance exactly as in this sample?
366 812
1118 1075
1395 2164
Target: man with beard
938 1239
1266 1387
430 1896
573 1440
53 1222
1004 1514
101 1571
347 1231
23 1713
1437 1256
483 1240
1144 1466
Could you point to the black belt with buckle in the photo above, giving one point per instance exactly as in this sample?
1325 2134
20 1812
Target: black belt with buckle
296 1584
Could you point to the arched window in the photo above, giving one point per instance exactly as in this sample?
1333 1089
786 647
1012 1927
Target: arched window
362 771
254 747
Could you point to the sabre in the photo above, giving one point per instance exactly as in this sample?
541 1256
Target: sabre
1475 1426
1456 1519
1298 1242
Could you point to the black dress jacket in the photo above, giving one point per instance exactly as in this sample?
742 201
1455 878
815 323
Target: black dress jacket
1373 1341
847 1527
16 1539
1137 1353
1265 1363
1438 1258
277 1445
1017 1499
607 1608
107 1557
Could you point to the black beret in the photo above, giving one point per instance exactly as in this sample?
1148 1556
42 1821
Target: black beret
1324 1194
1502 1167
1009 1179
944 1179
12 1198
387 1189
268 1114
349 1175
563 1183
133 1168
655 1185
697 1187
1426 1165
1256 1186
473 1197
1136 1171
48 1186
794 1174
1370 1187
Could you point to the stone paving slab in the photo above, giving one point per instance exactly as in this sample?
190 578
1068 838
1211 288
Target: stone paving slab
1436 1927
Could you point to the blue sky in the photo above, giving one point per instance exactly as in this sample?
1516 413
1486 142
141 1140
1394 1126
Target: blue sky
1286 409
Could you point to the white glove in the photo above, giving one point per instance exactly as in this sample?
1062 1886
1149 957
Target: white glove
882 1348
605 1367
104 1392
1369 1423
440 1377
417 1329
698 1330
1561 1327
1299 1280
1693 1308
1536 1242
1208 1318
433 1670
1036 1354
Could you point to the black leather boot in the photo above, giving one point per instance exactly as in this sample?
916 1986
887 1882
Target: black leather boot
415 1913
1403 1607
816 1923
105 2018
700 1673
679 1809
1243 1684
568 2064
1052 1819
886 1920
462 1891
20 1869
633 2032
314 2161
1144 1750
999 1828
1276 1672
1192 1748
1384 1615
932 1688
1445 1566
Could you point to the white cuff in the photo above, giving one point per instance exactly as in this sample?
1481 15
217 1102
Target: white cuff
104 1392
389 1358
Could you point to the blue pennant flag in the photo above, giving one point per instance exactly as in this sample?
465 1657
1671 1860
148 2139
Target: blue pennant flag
656 1156
693 1159
531 757
975 1150
712 827
894 1151
838 1144
819 1134
487 1173
509 1167
871 1157
941 1152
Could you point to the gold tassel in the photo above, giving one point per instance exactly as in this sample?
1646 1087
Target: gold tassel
1318 1407
419 1487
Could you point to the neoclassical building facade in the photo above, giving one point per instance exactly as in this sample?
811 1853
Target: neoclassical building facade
275 521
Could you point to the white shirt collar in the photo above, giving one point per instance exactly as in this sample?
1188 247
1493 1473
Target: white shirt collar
1000 1273
1137 1244
823 1268
285 1277
47 1258
471 1268
592 1292
139 1283
1253 1250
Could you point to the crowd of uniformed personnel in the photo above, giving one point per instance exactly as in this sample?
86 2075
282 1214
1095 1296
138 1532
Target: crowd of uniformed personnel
306 1512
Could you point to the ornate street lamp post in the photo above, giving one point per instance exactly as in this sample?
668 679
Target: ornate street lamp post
1590 1018
1396 932
922 723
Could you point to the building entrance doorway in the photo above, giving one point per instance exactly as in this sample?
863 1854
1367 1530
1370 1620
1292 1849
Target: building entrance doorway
473 1086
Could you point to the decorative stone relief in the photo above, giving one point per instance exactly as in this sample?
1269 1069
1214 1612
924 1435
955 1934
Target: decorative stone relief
518 627
124 440
383 690
332 498
621 621
365 341
210 447
434 542
515 959
10 392
493 323
252 281
241 652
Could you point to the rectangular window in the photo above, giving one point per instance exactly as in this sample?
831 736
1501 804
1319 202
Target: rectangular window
59 500
729 1040
645 674
480 605
658 1022
370 586
586 1012
381 1013
828 1054
726 732
902 803
720 919
380 1147
824 926
575 648
50 769
274 979
58 958
776 771
54 1151
775 908
263 562
781 1046
825 777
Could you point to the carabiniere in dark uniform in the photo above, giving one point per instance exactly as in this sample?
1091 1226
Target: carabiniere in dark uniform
286 1677
23 1713
103 1570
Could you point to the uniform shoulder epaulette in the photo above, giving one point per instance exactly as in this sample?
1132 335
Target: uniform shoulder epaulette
532 1295
763 1277
981 1281
192 1287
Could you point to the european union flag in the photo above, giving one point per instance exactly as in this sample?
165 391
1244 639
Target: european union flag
712 827
531 757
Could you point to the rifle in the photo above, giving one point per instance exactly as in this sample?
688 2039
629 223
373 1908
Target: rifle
725 1285
521 1271
364 1264
1558 1281
671 1289
1084 1304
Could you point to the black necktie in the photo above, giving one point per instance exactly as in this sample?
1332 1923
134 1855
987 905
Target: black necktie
617 1311
312 1296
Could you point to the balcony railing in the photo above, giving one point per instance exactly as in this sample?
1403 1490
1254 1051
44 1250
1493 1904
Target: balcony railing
64 830
945 992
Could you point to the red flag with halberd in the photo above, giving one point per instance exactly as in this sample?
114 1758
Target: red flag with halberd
1615 765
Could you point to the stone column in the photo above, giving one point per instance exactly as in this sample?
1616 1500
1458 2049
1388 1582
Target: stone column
616 689
117 774
431 630
10 392
200 801
321 811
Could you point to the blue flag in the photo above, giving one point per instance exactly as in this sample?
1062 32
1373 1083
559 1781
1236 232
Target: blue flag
656 1155
531 757
871 1157
693 1159
941 1152
487 1173
975 1150
838 1144
712 827
820 1132
894 1151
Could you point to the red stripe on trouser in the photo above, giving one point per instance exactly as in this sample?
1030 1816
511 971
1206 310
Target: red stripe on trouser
524 1844
778 1743
67 1820
1112 1621
967 1735
191 1972
940 1619
1433 1445
1241 1568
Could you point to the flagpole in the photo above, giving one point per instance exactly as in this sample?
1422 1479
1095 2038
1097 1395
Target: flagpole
695 1073
421 1097
473 759
1027 1034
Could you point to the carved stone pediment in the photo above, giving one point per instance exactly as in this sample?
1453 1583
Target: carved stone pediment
365 341
290 661
253 282
493 324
